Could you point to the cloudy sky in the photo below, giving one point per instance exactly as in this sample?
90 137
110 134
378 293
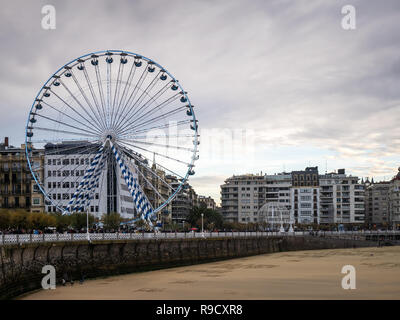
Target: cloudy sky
277 85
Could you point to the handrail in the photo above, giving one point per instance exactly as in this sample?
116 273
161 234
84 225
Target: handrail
7 239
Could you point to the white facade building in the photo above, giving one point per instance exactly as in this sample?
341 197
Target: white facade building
243 196
65 165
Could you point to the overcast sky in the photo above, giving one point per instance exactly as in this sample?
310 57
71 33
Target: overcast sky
283 77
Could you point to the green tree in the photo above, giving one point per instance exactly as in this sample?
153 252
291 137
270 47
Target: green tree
112 220
20 220
41 221
63 221
211 218
78 220
5 219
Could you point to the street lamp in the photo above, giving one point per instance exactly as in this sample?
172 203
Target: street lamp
202 224
87 225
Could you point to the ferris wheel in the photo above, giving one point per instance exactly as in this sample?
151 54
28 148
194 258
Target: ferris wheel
118 132
276 214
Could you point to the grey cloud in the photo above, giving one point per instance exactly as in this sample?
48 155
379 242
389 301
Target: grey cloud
283 68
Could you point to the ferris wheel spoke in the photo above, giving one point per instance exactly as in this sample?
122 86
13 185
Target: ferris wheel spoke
149 113
117 89
137 103
138 156
71 107
84 152
95 123
166 136
59 140
144 106
66 124
92 92
108 105
163 126
87 100
149 183
156 153
153 98
63 113
143 165
100 87
168 146
155 119
125 93
64 131
132 96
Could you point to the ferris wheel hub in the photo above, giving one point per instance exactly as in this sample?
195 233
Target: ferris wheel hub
109 135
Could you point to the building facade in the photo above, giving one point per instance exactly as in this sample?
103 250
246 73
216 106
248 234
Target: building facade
18 189
243 196
305 196
310 197
183 202
394 202
377 204
207 202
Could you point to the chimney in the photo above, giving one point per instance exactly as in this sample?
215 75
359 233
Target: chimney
6 141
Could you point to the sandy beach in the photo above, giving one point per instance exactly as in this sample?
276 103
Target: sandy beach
287 275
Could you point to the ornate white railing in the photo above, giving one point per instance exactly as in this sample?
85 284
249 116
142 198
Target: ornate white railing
58 237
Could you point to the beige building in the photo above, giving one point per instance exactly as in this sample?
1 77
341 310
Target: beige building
18 189
377 203
207 202
394 201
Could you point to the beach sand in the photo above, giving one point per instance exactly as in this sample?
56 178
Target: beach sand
314 274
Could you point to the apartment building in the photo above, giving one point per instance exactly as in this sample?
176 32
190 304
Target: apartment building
18 189
65 166
310 197
240 198
183 202
394 202
341 199
305 196
377 203
207 202
243 196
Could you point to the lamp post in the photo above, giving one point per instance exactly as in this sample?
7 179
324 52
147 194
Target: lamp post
202 224
87 224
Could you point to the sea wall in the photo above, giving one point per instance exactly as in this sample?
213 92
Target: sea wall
21 265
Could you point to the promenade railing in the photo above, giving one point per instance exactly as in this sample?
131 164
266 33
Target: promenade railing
62 237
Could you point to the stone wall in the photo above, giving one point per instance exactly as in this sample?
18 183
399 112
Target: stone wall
21 265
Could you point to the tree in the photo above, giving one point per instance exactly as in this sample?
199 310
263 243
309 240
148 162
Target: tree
5 219
209 217
112 220
63 221
19 220
78 220
41 221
